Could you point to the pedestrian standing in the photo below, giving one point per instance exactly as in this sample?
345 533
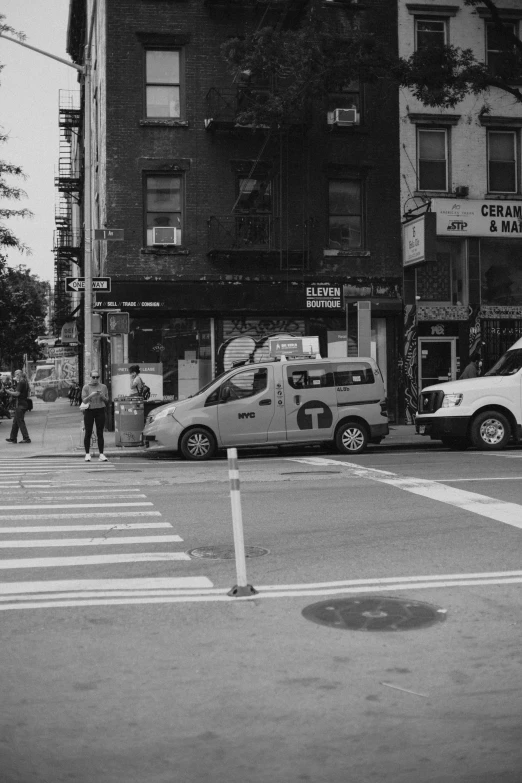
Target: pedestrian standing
20 394
96 395
472 369
136 384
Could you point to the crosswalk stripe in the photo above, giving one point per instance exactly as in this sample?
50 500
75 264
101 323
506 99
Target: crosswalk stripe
7 589
74 505
55 542
82 515
99 495
80 528
61 562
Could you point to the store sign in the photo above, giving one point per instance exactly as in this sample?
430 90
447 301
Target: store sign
419 238
468 218
69 332
151 374
324 297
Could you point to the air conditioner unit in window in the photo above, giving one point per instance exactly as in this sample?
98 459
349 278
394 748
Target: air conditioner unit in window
343 117
165 235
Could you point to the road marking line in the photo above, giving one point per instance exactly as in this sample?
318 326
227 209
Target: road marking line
484 478
73 505
138 583
80 528
500 510
57 562
225 598
99 495
82 515
103 541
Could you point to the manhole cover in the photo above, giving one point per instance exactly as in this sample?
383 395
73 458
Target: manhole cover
226 552
368 613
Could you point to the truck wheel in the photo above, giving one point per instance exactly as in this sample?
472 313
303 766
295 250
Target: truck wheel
456 444
351 438
49 395
490 430
198 444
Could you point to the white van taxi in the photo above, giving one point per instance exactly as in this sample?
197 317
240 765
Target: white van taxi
485 411
274 402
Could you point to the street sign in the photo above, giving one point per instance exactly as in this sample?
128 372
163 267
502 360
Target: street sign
109 233
78 284
118 323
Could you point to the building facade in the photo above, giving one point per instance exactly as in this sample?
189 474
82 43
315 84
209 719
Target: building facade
464 166
232 233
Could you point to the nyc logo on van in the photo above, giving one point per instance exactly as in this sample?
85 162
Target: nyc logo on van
249 415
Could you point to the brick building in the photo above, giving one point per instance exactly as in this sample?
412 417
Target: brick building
464 166
234 233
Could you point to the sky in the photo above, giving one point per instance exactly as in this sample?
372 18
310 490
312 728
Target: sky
29 92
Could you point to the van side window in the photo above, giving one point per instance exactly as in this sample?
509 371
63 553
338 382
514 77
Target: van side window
353 374
309 377
245 384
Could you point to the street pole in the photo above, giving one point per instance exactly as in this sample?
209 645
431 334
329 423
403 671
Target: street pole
85 70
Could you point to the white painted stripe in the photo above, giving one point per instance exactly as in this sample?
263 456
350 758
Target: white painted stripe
138 583
57 562
74 505
483 478
80 528
499 510
82 515
99 495
224 598
53 542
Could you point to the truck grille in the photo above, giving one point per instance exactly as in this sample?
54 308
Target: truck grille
429 402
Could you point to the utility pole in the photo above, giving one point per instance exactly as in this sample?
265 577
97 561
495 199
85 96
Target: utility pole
85 70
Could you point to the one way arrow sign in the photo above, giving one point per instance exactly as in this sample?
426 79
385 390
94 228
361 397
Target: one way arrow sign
78 284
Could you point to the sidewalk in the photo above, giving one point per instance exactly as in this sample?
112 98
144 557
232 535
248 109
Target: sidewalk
55 431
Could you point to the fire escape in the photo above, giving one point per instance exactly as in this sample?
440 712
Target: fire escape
67 242
277 234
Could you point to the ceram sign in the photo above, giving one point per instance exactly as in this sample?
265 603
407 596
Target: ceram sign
78 284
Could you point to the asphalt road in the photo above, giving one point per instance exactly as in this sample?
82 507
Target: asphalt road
161 677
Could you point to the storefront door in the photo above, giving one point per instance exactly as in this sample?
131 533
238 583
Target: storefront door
437 360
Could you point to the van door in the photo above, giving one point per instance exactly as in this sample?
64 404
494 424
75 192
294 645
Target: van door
311 402
246 406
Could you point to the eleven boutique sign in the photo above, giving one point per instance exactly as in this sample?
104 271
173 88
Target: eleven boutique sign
467 218
322 296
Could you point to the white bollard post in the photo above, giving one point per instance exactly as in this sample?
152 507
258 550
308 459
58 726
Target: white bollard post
242 588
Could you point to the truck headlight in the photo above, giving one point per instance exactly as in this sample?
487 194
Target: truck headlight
451 400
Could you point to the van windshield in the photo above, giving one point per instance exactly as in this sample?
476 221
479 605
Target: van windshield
508 364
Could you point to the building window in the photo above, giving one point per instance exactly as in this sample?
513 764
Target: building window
345 214
347 98
255 195
432 159
162 77
163 205
502 162
496 47
430 33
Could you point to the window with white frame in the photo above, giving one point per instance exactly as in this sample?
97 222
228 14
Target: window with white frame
502 162
432 159
430 33
162 84
496 45
345 214
163 199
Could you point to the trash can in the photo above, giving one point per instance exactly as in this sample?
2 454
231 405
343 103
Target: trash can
128 422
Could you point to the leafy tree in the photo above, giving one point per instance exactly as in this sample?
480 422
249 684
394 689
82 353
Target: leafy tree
8 191
309 52
23 307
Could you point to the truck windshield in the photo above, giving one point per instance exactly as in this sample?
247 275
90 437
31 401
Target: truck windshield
508 364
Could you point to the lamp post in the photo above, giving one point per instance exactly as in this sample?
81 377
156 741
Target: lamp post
85 70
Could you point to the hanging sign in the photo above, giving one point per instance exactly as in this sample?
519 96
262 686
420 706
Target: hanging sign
419 239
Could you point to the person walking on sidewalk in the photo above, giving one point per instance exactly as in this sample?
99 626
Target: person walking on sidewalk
20 393
96 395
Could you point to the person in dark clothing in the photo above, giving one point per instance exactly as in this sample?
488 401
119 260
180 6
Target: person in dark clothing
20 393
96 394
472 370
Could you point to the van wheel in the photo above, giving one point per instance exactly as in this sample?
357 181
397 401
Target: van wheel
351 438
198 444
490 430
456 444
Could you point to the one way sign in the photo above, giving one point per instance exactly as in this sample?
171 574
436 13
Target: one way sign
78 284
